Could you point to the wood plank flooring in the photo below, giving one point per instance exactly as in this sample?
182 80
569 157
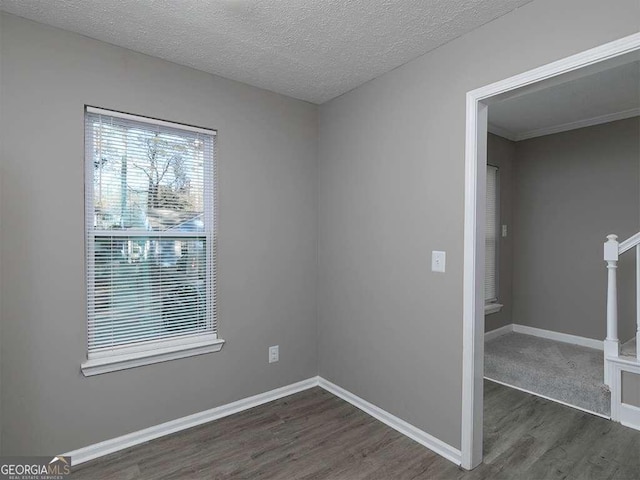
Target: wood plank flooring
314 435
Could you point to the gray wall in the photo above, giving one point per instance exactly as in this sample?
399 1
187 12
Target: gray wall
501 153
267 244
571 189
391 177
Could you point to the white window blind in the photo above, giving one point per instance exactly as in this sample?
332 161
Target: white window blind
150 232
491 237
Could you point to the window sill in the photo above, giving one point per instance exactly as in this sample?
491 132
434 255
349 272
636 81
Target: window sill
113 363
490 308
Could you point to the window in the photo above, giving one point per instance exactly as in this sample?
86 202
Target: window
150 240
491 238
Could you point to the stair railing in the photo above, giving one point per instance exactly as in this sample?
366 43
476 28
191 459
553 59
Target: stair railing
612 251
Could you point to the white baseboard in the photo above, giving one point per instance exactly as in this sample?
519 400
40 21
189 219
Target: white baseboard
630 416
548 334
96 450
548 398
498 332
420 436
560 337
113 445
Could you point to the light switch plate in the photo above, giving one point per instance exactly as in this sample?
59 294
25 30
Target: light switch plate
504 231
274 354
438 261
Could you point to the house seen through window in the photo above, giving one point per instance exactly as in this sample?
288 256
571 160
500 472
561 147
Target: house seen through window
150 226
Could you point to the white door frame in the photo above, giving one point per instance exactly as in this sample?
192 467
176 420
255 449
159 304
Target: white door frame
474 220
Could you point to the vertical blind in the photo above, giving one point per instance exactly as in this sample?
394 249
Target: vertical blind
150 231
491 237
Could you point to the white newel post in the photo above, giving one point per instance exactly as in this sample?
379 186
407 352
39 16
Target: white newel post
611 343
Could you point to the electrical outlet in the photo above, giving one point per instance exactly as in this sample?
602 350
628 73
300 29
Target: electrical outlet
274 354
504 231
438 261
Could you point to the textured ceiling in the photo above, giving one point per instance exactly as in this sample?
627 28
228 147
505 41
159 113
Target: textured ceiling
309 49
596 96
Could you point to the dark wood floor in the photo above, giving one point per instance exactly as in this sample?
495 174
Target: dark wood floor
315 435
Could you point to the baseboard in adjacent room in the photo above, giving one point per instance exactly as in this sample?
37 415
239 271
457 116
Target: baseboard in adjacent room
498 332
548 334
560 337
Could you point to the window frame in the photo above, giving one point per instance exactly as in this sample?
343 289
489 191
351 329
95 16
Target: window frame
161 349
493 305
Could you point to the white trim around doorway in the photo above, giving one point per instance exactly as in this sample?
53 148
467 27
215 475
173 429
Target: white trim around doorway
475 163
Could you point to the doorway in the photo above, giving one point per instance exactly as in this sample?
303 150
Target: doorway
478 101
